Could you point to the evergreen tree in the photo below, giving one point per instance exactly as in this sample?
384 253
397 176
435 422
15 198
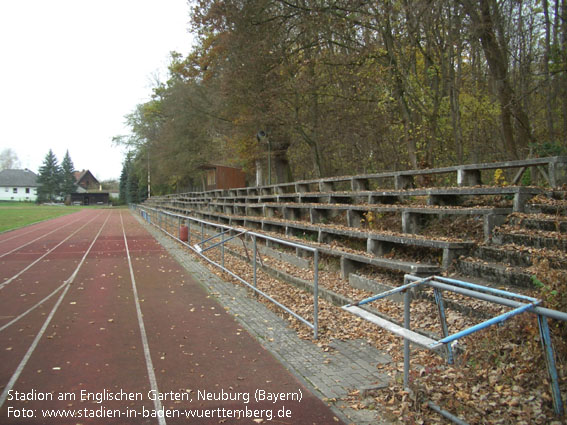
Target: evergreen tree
142 192
132 186
126 169
49 179
68 181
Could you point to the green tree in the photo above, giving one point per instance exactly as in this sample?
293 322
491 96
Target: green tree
126 168
49 179
132 188
68 181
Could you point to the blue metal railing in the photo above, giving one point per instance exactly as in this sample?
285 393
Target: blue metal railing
518 302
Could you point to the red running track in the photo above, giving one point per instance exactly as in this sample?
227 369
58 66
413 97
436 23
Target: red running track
99 325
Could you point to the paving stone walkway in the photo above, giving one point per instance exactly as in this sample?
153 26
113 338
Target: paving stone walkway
332 375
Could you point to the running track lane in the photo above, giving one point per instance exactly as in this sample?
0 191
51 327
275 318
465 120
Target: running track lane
95 342
23 250
30 278
56 272
18 238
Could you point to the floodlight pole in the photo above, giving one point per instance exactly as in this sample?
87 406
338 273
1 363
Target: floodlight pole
149 180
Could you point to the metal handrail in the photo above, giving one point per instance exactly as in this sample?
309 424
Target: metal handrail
144 212
518 302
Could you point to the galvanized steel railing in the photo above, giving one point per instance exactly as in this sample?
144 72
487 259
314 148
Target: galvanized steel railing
161 218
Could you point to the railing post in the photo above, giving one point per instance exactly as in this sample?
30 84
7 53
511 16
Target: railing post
222 249
407 325
254 261
316 294
443 319
549 353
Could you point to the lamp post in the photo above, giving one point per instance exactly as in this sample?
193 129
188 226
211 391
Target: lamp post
261 136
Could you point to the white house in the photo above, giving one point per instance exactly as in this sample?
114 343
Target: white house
18 185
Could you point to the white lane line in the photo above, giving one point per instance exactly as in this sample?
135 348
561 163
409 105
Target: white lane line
6 282
149 364
36 239
30 351
25 313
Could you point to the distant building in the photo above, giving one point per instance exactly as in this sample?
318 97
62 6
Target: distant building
18 185
223 177
86 181
89 190
89 198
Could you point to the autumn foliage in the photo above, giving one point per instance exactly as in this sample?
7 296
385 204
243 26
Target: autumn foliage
345 87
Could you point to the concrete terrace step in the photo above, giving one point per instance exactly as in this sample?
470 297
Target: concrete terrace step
434 196
554 203
500 274
412 218
351 261
520 256
377 244
495 254
537 239
551 209
545 222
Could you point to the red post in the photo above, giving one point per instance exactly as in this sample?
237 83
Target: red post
184 233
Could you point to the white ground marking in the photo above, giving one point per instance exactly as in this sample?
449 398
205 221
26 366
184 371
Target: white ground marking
33 346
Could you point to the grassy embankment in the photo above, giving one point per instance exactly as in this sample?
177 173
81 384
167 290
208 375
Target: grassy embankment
18 214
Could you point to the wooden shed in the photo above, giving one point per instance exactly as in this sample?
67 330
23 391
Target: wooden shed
86 181
222 177
90 198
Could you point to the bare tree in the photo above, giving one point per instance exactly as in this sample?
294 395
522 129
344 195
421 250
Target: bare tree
9 159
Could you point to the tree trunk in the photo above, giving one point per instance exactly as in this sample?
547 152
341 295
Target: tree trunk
549 105
455 81
511 111
563 77
309 139
405 111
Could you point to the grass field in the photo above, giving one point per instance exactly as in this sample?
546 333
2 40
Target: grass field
18 214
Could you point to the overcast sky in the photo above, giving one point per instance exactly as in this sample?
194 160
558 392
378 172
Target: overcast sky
70 70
